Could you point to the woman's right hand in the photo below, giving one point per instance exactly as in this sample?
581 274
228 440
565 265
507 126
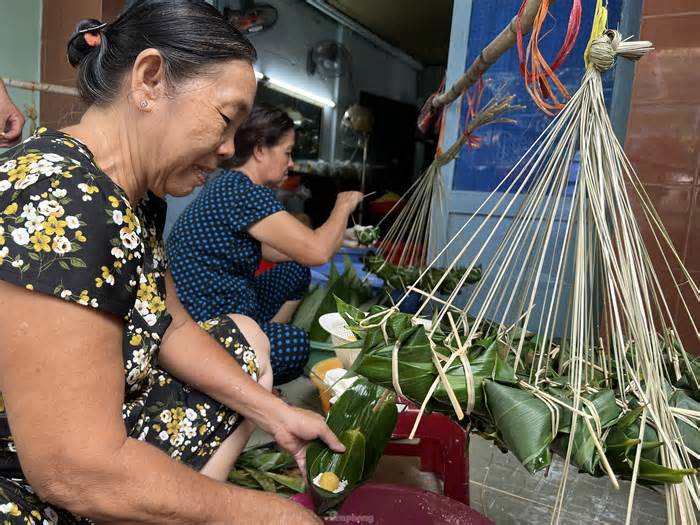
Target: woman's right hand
348 200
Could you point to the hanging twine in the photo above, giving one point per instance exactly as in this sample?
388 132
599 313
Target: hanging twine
605 49
492 113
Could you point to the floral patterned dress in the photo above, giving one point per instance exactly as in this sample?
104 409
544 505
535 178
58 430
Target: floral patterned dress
67 230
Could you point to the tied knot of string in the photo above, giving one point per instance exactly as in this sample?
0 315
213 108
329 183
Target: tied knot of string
605 49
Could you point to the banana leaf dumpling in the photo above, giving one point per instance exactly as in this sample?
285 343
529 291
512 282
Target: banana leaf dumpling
363 418
524 424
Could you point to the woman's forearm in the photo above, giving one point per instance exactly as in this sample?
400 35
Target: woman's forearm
194 357
197 359
140 484
331 233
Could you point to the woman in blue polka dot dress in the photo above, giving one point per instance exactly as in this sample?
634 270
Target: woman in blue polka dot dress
217 243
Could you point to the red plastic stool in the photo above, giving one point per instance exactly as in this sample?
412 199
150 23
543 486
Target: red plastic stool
387 504
442 449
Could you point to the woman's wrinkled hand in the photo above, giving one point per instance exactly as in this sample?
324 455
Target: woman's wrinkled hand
11 122
294 428
349 200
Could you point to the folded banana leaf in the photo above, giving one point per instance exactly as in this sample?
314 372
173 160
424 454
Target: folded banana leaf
363 418
485 363
368 235
400 277
513 417
623 438
650 472
416 369
621 448
690 433
583 453
523 422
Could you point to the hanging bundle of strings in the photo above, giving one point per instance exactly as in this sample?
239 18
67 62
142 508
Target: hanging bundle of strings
569 333
401 255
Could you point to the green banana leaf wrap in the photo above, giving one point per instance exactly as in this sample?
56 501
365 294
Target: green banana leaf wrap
400 277
504 404
363 418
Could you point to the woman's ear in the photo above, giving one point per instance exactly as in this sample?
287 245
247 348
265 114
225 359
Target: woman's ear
259 152
148 82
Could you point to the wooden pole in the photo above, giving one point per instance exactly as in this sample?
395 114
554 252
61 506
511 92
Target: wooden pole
490 54
39 86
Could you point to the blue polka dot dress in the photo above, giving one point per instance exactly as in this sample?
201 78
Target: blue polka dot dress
213 261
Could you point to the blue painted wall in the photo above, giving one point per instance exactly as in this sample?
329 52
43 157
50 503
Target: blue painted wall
503 144
476 173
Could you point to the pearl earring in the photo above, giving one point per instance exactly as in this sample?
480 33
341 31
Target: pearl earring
144 104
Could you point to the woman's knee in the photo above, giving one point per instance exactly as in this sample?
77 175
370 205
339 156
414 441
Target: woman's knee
258 341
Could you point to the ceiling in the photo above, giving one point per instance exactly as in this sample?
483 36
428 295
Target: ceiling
421 28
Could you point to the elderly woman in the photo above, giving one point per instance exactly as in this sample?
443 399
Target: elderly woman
217 243
116 406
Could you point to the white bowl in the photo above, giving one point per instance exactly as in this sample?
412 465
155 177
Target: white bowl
334 324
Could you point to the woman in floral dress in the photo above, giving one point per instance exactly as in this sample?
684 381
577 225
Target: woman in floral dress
114 405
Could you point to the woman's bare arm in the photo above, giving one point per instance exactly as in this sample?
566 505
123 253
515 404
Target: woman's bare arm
194 357
62 379
272 255
286 234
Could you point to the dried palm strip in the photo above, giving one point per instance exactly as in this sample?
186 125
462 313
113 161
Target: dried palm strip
406 242
601 252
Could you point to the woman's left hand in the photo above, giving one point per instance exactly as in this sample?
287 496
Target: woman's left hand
295 427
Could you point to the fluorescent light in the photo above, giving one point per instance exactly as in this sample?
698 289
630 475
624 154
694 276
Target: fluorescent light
294 91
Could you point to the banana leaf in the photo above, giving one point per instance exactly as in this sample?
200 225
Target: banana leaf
415 366
485 363
294 483
650 472
363 418
690 433
243 479
267 484
623 439
266 458
523 422
267 468
367 236
305 315
322 300
621 448
584 454
268 481
399 277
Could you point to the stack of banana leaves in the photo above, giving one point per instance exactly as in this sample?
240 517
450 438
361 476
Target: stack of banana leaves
400 277
320 300
268 468
504 403
363 418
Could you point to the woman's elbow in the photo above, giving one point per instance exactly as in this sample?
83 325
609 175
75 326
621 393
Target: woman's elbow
315 256
71 482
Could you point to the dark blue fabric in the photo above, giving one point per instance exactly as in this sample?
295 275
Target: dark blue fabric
212 258
213 261
289 344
